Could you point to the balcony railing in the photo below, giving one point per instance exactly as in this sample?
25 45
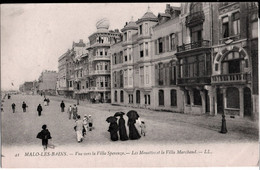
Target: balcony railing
194 80
195 18
230 38
99 88
231 78
96 72
100 57
193 45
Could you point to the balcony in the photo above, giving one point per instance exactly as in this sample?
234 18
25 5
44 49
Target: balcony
71 88
195 19
230 39
193 45
99 72
239 78
99 88
194 80
101 58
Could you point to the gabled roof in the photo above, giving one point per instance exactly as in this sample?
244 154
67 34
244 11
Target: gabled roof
130 26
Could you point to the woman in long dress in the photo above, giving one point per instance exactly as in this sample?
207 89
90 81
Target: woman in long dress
133 133
113 128
122 129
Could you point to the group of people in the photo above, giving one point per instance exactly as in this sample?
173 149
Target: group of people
46 101
82 125
114 127
24 106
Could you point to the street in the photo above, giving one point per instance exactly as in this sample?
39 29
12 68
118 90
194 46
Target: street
21 128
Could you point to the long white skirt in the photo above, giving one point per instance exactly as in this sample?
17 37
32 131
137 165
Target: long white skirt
79 135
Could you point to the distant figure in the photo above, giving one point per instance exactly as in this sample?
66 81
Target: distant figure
24 106
9 96
143 128
70 111
13 107
85 124
79 129
39 109
45 102
90 123
75 111
44 135
122 129
62 106
113 128
41 94
48 101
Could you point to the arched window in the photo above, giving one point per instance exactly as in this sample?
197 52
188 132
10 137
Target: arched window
161 98
232 97
121 96
195 7
137 96
115 96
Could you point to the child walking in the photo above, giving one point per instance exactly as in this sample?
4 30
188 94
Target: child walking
44 135
143 128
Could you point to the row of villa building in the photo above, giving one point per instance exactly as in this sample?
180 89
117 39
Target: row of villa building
199 58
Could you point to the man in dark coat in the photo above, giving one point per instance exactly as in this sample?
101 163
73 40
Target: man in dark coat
122 129
44 135
13 107
39 109
62 106
113 128
24 106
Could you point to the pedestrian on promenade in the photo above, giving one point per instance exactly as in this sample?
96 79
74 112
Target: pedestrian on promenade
133 132
39 109
45 102
90 123
70 111
113 128
122 129
75 111
24 106
44 135
48 101
13 107
85 124
143 128
62 106
79 129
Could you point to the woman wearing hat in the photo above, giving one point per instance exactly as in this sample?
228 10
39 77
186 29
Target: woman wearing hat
85 124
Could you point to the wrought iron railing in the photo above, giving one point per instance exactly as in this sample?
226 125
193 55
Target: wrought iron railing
193 45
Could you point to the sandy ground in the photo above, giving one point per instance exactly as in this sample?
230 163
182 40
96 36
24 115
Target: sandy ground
19 129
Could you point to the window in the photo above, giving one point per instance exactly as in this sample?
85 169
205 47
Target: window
86 84
146 28
145 99
254 29
101 52
106 66
105 52
149 99
141 29
147 75
121 78
114 75
172 74
125 36
160 65
115 62
196 97
130 98
196 33
130 53
161 98
173 97
160 45
130 77
115 96
141 47
125 54
236 23
232 97
141 76
172 41
225 27
138 96
121 96
129 36
188 97
106 81
125 77
146 49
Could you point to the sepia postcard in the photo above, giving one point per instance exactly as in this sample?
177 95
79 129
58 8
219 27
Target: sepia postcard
129 85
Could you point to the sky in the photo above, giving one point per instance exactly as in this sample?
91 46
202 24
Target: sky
34 36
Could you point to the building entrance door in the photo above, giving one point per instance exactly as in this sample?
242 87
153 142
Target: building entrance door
220 102
247 102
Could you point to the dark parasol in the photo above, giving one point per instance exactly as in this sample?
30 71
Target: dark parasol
119 114
132 114
111 119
